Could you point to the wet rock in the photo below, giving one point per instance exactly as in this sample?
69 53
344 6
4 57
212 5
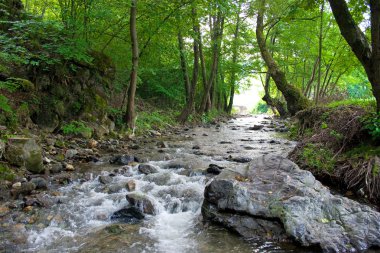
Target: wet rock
273 193
131 185
147 169
256 127
162 144
40 183
69 167
141 201
25 189
225 142
196 147
114 188
70 153
240 159
159 178
105 179
56 168
130 215
214 169
24 152
123 159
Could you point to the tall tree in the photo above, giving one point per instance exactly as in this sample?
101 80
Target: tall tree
130 113
368 53
234 60
189 106
295 100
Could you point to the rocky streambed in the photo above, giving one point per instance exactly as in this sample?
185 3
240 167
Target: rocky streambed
185 193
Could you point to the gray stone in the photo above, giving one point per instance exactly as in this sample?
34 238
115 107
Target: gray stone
70 153
26 152
105 179
39 182
147 169
56 167
141 201
273 192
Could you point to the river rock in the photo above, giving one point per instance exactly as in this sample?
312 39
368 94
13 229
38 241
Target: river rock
256 127
70 153
56 167
147 169
214 169
141 201
123 159
273 192
129 215
131 185
105 179
39 182
26 152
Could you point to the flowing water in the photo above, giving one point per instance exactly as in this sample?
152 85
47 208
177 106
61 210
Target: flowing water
81 221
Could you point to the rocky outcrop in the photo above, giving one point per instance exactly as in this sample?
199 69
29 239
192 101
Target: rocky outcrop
273 198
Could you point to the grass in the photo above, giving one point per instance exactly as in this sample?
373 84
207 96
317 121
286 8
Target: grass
365 103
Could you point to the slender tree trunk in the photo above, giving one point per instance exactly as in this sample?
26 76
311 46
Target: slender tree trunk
318 88
189 107
295 100
130 113
312 77
367 53
234 60
216 40
185 73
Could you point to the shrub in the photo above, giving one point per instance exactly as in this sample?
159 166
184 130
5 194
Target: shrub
372 125
75 127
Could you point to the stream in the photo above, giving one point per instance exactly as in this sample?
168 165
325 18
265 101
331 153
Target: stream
81 221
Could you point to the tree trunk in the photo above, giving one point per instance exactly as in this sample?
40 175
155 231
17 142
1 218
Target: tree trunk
185 73
295 100
130 113
234 60
189 107
368 54
216 38
273 102
320 43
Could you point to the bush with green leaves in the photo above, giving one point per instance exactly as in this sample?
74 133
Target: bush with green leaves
75 128
372 125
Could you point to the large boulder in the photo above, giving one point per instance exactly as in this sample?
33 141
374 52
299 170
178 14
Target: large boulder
26 152
273 196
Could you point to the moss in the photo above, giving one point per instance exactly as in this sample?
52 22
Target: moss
24 84
6 173
318 157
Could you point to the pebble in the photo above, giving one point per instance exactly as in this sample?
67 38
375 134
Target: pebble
70 167
16 185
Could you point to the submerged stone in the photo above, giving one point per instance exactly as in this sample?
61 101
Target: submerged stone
130 215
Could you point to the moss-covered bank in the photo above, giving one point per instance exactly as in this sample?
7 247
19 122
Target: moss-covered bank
340 145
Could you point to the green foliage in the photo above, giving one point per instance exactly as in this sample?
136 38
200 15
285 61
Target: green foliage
153 120
116 115
319 158
261 108
372 125
75 128
210 116
365 103
6 173
4 106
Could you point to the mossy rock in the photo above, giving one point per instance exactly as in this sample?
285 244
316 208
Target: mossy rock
21 151
24 84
